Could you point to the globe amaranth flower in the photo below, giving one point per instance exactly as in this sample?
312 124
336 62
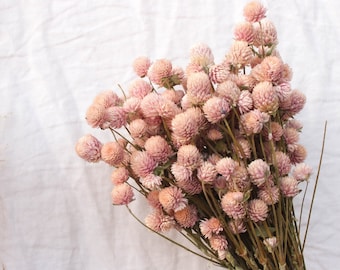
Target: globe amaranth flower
254 11
119 176
138 128
229 91
142 163
189 156
245 102
219 244
289 186
265 98
113 153
215 109
210 227
139 88
187 217
240 54
158 148
207 172
172 199
257 210
159 222
237 226
151 181
141 65
201 54
269 193
269 70
259 172
253 121
233 205
245 32
88 148
198 87
302 172
159 70
122 194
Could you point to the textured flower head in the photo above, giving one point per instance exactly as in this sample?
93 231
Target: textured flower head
159 70
112 153
187 217
119 176
257 210
88 148
201 55
215 109
122 194
289 186
189 156
172 199
265 98
139 88
210 227
198 87
141 65
254 11
158 148
244 32
142 163
240 53
233 205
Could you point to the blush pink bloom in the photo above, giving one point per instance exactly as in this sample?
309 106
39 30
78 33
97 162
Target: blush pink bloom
172 199
242 148
289 186
141 65
245 102
159 70
115 117
240 54
198 87
295 102
207 173
219 244
252 122
270 194
119 176
153 199
187 217
189 156
190 185
259 172
88 148
257 210
181 173
254 11
122 194
214 134
237 226
276 132
233 205
151 181
215 109
159 222
302 172
229 91
158 148
291 135
226 166
106 99
201 54
112 153
138 128
270 243
245 32
95 116
293 123
142 163
283 163
219 73
132 105
168 109
265 34
174 95
150 105
283 90
239 180
210 227
139 88
265 98
298 155
269 70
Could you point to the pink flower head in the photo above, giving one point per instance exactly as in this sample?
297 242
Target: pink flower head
139 88
189 156
269 70
229 91
295 102
159 70
122 194
198 87
187 217
106 99
201 55
172 199
245 102
141 65
88 148
259 171
239 179
112 153
269 193
142 163
283 90
168 109
210 227
215 109
257 210
293 123
270 243
302 172
119 176
151 181
159 222
240 53
237 226
226 166
132 105
207 172
252 122
158 148
291 135
283 163
276 132
150 105
265 98
233 205
153 199
138 128
190 185
298 155
173 95
289 186
219 73
214 134
115 117
219 244
95 116
265 34
181 173
244 32
254 11
242 148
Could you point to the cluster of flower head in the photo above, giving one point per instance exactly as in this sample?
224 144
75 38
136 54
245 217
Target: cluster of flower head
208 133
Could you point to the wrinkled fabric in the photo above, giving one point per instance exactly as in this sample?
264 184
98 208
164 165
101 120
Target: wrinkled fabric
55 56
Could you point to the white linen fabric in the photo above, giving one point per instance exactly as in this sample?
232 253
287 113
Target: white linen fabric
55 56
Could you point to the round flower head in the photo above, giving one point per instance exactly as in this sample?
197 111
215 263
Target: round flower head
302 172
201 55
229 91
172 199
115 117
95 115
240 54
122 194
283 91
119 176
88 148
132 105
219 244
139 88
187 217
151 181
190 185
244 32
265 98
276 132
112 153
291 135
270 194
226 166
210 227
141 65
150 105
289 186
142 163
181 173
298 155
207 173
153 199
252 122
106 99
158 148
189 156
159 70
219 73
295 102
245 102
233 205
283 163
254 11
237 226
265 34
138 128
242 148
257 210
215 109
270 243
269 70
168 109
239 180
259 171
159 222
198 87
214 134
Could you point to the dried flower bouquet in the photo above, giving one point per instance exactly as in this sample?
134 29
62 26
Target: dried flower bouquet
213 148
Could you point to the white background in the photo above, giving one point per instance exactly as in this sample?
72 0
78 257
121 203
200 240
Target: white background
56 55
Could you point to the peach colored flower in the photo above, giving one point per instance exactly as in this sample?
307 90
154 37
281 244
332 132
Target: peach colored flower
214 134
242 148
245 102
189 156
151 181
244 32
269 193
88 148
254 11
115 117
173 95
119 176
122 194
257 210
298 155
283 163
293 123
233 205
132 105
210 227
153 199
259 171
106 99
198 87
269 70
283 91
291 135
270 243
112 153
219 244
168 109
158 148
237 226
95 115
187 217
150 105
265 98
289 186
219 73
159 70
239 54
142 163
201 54
141 65
276 132
302 172
159 222
215 109
295 102
252 122
239 179
139 88
229 91
226 166
207 172
193 68
138 128
181 173
172 199
265 34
